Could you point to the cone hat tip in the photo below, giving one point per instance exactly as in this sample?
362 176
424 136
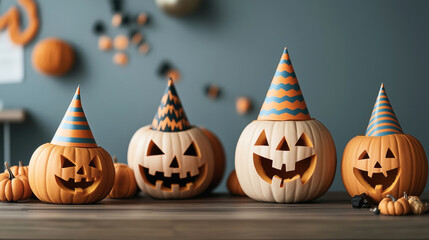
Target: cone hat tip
383 119
170 116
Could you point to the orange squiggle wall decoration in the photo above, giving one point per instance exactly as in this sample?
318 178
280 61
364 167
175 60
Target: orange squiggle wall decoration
11 20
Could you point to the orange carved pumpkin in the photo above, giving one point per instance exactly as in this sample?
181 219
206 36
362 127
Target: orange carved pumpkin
385 161
71 169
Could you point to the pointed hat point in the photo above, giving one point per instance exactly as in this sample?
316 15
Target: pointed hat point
170 116
383 119
74 129
284 100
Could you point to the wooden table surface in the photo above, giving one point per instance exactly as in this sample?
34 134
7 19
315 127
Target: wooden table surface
218 216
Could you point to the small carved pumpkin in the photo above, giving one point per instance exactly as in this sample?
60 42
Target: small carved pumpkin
233 185
384 161
19 170
394 207
285 156
13 187
125 183
71 169
170 158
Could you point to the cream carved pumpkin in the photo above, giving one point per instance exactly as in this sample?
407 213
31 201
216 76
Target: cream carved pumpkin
285 156
170 158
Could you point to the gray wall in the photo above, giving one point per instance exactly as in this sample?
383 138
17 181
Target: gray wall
341 51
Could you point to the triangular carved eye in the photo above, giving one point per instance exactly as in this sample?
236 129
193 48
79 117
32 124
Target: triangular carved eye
304 141
65 163
153 149
191 150
283 146
92 163
262 139
389 153
364 156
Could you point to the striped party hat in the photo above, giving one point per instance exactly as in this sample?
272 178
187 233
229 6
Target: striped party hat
284 100
170 116
383 120
74 128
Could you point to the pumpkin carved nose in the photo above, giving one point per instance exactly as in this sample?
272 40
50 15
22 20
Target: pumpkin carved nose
80 171
174 163
377 165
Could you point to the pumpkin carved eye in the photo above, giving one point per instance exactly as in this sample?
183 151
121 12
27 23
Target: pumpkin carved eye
283 146
389 153
304 141
92 163
192 150
364 156
262 139
153 149
65 163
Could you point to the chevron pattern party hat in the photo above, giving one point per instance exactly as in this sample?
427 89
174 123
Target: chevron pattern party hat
74 128
170 116
383 120
284 100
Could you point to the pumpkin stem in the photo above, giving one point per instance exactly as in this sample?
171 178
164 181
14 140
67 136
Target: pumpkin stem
405 195
11 176
115 159
20 164
392 197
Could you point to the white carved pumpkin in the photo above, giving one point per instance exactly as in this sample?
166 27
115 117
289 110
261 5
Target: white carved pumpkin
171 164
285 161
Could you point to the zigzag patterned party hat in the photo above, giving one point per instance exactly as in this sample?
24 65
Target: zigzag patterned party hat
170 116
74 128
383 120
284 100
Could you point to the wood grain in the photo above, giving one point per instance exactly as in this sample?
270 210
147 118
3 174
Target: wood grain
215 217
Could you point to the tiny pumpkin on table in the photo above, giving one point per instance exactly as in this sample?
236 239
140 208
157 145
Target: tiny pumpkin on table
19 170
416 205
234 186
125 183
394 207
13 188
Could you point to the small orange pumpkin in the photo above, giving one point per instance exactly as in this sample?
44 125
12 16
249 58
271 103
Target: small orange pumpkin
125 183
13 188
219 155
53 56
19 170
233 185
394 207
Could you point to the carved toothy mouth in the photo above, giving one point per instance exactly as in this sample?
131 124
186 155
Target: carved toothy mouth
70 184
378 181
303 169
171 184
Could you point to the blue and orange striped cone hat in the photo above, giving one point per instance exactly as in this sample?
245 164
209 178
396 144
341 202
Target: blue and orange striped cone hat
383 120
284 100
74 128
170 116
